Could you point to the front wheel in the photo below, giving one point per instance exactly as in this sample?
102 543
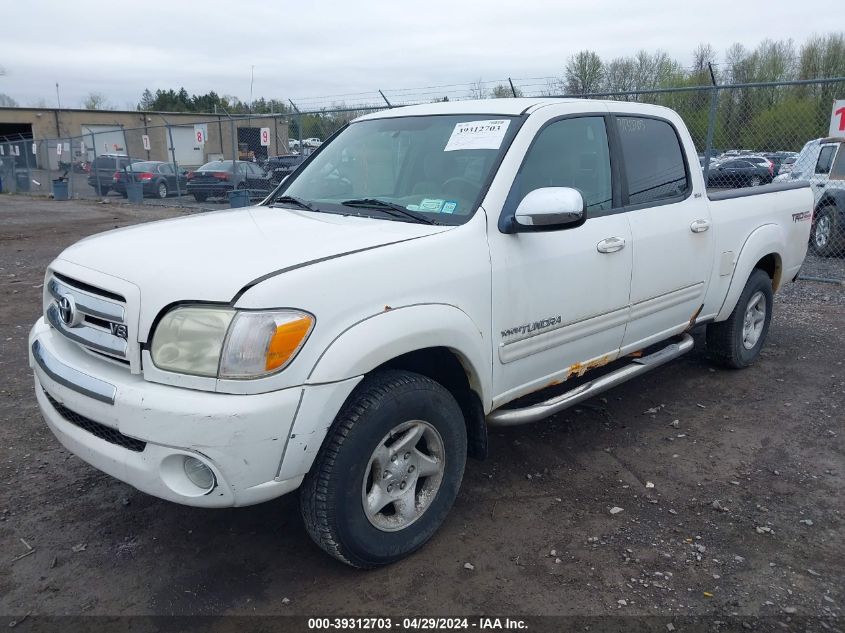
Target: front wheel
161 190
737 341
388 471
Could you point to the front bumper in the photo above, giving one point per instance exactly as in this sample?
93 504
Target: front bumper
241 438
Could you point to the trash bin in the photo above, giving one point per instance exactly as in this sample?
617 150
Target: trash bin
22 180
135 192
60 189
239 198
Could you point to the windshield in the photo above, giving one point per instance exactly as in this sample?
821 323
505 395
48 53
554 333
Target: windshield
145 166
433 166
217 165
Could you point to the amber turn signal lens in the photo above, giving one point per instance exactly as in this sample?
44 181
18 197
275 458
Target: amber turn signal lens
286 340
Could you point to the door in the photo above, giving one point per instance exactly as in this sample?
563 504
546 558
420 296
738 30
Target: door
560 297
821 171
670 225
188 152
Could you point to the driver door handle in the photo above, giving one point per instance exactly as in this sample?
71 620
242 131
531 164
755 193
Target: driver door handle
610 245
699 226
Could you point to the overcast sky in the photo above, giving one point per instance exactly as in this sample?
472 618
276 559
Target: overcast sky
315 49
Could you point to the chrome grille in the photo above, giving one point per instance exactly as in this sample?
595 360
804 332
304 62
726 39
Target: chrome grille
93 318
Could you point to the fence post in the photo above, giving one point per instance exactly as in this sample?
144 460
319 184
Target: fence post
131 171
711 128
173 156
94 164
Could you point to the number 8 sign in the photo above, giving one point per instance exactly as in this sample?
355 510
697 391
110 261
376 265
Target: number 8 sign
265 136
200 133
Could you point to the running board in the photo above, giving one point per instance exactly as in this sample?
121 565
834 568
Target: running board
514 417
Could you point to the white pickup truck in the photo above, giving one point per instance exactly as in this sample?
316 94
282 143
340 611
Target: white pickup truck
355 334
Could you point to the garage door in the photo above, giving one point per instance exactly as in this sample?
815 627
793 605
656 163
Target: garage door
188 152
106 139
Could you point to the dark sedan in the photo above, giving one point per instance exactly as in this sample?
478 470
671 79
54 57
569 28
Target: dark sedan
158 178
219 177
738 172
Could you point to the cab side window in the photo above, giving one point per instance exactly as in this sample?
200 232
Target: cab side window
654 162
568 153
825 159
837 172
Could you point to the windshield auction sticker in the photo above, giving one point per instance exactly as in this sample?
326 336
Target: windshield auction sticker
477 135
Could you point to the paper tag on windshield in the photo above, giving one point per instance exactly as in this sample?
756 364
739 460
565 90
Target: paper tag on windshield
431 204
477 135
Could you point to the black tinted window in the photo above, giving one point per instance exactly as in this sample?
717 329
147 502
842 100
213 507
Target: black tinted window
654 164
104 162
825 159
570 153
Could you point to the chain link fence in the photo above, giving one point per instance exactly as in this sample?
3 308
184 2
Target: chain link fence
748 135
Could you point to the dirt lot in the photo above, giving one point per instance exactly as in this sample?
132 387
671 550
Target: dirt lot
745 515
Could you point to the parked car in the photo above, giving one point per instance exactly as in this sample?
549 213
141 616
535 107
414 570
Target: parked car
281 166
357 333
786 165
158 178
739 172
219 177
822 163
313 143
778 159
102 170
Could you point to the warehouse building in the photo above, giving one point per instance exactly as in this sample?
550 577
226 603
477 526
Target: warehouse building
51 136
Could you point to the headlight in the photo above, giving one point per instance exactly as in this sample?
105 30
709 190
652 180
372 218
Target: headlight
226 343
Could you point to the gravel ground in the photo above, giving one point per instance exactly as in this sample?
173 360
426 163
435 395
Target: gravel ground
692 491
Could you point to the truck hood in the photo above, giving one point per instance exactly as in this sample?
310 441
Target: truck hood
213 256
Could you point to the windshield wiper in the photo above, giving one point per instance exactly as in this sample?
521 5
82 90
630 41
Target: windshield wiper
299 202
387 207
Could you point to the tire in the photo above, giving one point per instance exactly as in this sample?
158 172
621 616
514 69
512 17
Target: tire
755 181
343 477
124 194
823 237
737 341
161 190
102 191
200 197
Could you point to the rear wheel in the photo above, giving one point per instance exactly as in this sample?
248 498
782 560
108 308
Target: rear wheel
756 181
200 197
388 471
161 190
823 239
737 341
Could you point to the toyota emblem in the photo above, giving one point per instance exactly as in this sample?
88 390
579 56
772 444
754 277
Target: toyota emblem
67 310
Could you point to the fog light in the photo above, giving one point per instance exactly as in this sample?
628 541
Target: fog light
199 474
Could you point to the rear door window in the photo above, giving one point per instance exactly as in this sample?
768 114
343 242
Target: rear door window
825 160
654 162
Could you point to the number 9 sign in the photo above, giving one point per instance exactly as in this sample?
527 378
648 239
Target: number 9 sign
265 136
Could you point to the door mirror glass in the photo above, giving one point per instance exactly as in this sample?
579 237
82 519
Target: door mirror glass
551 207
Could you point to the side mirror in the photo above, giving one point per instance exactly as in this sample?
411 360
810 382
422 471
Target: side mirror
551 207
